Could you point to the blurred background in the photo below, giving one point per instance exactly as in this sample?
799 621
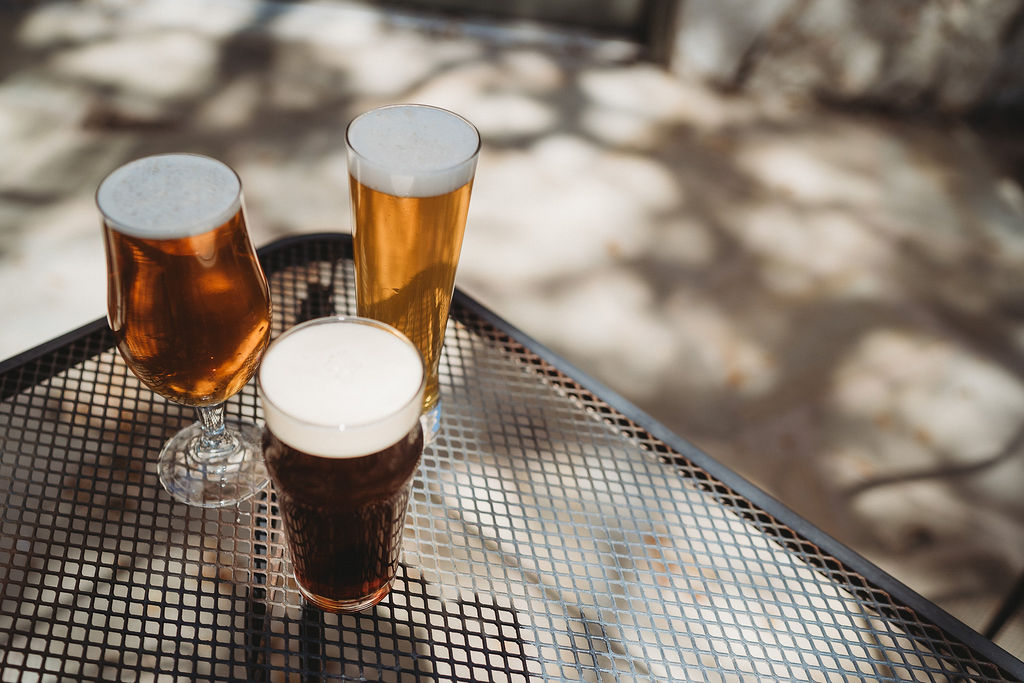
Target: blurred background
790 230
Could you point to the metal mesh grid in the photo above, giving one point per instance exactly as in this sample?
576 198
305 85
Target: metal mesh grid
548 538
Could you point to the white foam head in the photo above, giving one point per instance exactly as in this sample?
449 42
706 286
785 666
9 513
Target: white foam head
169 195
341 387
412 150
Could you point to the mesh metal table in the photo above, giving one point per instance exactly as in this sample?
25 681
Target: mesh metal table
554 533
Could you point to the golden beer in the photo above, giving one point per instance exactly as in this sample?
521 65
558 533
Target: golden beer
406 253
411 171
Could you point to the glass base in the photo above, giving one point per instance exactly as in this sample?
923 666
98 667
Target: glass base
356 605
430 422
224 480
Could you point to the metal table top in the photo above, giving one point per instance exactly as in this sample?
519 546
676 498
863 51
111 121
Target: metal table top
555 532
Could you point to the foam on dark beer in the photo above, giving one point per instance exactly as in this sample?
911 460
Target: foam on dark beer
341 390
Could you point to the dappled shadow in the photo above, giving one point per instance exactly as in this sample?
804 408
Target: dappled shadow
741 270
1010 450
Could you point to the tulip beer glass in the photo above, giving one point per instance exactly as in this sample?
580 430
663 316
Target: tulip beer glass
342 399
190 311
411 170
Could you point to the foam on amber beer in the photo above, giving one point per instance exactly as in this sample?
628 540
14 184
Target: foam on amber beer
169 196
412 151
341 390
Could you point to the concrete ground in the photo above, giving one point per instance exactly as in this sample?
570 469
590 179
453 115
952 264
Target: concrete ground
828 302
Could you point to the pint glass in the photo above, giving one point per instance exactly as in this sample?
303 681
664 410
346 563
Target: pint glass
342 399
411 170
189 307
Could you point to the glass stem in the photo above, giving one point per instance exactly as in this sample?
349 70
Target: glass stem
216 441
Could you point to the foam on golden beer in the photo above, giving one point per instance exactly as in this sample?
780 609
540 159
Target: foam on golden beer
341 389
412 150
169 196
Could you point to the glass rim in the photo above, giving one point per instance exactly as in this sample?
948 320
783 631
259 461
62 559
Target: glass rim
415 105
416 397
214 222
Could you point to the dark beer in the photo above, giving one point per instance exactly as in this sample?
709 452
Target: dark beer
344 517
342 400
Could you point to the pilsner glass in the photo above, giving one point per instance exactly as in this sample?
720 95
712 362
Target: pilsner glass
342 399
411 170
190 310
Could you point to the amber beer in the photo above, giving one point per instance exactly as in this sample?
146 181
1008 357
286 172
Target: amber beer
187 302
342 400
190 310
411 170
